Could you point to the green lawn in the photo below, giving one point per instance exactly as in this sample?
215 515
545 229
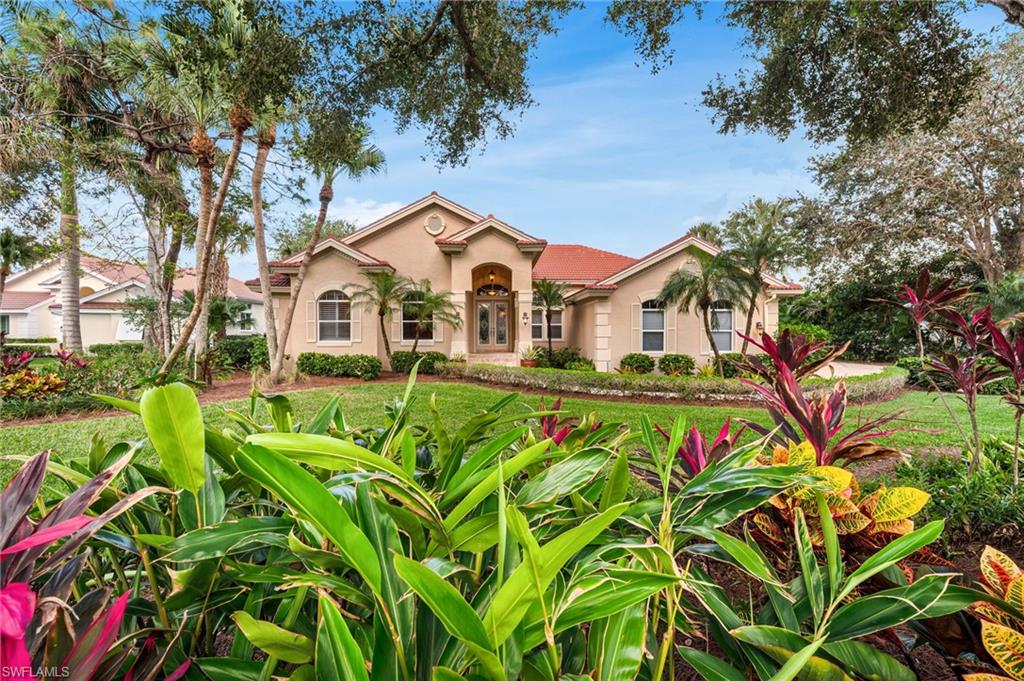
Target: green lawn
457 401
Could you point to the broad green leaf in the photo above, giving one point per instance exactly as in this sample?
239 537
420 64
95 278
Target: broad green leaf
338 657
328 452
929 596
457 616
709 666
515 596
805 662
274 640
310 500
174 425
617 484
446 674
216 541
230 668
746 557
486 487
868 661
809 567
118 403
467 474
890 554
833 556
324 418
563 478
622 645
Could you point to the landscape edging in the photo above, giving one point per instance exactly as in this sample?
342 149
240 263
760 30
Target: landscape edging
866 388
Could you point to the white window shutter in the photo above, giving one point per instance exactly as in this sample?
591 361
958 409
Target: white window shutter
310 321
356 317
671 314
396 324
634 337
438 330
705 345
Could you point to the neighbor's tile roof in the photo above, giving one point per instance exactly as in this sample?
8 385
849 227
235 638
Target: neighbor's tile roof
115 270
574 262
21 300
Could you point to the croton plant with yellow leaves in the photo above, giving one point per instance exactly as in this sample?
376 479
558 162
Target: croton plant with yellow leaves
864 522
1002 631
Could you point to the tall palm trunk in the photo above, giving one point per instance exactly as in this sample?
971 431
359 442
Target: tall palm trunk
750 322
326 194
209 213
382 313
267 138
706 317
547 318
70 255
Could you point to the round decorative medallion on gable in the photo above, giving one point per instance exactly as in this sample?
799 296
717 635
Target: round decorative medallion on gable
434 224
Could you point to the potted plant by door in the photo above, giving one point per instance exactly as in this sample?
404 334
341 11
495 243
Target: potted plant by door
528 356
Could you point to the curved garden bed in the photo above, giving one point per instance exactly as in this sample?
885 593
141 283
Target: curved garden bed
879 386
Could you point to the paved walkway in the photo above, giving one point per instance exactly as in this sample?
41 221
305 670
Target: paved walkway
843 369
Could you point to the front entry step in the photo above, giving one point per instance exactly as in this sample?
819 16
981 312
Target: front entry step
507 359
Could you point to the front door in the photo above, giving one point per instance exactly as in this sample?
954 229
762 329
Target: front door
492 328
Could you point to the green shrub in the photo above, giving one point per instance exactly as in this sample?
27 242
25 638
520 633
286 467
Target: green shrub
974 505
243 352
108 349
580 365
676 365
365 367
18 409
636 363
403 361
114 374
812 332
559 358
31 341
728 369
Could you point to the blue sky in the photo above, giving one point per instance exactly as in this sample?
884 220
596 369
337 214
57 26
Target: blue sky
611 155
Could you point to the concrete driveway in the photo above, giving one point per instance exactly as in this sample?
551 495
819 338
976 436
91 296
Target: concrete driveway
842 369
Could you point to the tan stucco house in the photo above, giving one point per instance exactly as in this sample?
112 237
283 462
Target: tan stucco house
30 307
488 267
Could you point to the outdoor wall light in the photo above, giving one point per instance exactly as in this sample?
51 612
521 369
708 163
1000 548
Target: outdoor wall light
760 328
526 317
490 275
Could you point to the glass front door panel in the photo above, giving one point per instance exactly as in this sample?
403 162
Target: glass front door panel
483 324
501 324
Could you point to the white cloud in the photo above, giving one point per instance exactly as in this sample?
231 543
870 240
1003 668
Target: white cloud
361 211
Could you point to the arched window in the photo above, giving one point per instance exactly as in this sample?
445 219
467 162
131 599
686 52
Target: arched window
652 326
412 326
334 316
721 325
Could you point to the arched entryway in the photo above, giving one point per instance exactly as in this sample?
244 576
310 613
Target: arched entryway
493 313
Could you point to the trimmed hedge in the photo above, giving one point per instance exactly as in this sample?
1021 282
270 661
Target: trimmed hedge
859 388
402 361
560 358
365 367
108 349
31 341
18 348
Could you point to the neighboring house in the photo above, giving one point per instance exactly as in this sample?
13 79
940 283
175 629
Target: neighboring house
489 268
31 303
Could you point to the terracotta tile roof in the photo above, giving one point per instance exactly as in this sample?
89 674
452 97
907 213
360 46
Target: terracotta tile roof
95 305
786 286
115 270
21 300
573 262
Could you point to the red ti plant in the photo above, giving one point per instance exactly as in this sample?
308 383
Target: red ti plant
921 301
1010 354
817 419
553 426
968 375
792 351
694 454
15 363
68 357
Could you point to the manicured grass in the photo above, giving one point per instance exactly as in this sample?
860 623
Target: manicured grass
363 405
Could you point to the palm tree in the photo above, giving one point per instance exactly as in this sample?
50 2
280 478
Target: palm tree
432 307
383 292
331 148
714 281
550 295
758 243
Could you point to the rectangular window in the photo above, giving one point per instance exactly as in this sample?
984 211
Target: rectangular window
721 328
245 320
652 327
411 327
5 324
335 319
539 330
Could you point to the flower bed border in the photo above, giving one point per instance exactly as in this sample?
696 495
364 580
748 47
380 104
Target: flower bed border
868 388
